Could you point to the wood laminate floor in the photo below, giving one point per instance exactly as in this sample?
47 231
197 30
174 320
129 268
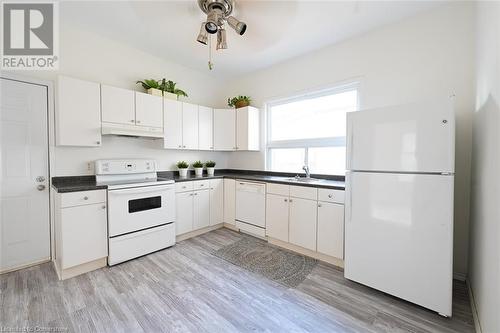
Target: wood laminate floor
186 289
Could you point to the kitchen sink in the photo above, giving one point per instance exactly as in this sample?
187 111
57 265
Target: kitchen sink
303 180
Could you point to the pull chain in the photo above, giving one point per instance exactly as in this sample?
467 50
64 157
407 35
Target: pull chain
210 64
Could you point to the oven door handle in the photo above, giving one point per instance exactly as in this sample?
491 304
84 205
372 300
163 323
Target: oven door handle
141 190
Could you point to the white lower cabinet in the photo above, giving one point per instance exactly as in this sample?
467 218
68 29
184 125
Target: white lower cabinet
277 213
184 212
331 229
216 201
230 201
201 209
303 215
81 232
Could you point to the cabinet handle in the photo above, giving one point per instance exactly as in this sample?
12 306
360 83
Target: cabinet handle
291 200
196 194
202 184
211 147
103 207
180 146
98 142
286 200
85 198
138 121
183 146
330 196
319 205
132 121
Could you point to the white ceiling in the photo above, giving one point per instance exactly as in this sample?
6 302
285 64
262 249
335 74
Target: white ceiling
277 30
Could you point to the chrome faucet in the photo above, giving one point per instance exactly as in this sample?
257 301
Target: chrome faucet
306 169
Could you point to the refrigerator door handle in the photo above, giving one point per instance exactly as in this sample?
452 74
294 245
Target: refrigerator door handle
350 145
348 203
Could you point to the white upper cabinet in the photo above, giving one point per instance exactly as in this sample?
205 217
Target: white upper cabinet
189 126
78 113
224 129
148 110
118 105
247 128
205 128
172 124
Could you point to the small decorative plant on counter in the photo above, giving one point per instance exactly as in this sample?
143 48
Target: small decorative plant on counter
151 86
239 101
210 165
170 91
198 168
183 168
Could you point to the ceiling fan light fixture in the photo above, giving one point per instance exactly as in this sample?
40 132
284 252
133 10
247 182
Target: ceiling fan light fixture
214 20
202 36
238 26
221 39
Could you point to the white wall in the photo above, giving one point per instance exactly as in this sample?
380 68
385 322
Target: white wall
484 267
92 57
425 56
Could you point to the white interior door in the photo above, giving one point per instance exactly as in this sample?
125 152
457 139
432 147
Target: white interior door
24 208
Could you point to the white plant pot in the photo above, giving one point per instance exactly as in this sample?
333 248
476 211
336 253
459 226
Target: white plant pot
183 173
155 92
198 172
168 95
210 171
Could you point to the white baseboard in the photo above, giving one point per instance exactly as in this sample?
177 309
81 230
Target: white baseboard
477 324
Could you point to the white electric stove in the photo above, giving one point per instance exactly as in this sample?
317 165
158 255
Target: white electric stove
141 208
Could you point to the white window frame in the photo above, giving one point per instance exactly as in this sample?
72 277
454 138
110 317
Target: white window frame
338 141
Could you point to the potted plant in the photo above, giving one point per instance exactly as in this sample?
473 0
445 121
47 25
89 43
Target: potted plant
210 167
183 168
152 87
198 168
239 101
170 91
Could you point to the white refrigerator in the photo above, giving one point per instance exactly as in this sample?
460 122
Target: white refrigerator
399 201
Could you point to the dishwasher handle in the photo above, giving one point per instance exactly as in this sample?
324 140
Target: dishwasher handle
251 187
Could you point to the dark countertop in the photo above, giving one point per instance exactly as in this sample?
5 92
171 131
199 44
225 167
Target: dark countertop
87 183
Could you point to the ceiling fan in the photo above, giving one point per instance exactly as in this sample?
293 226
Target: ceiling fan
218 14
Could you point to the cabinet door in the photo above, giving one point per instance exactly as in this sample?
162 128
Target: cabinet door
201 209
206 128
303 214
148 110
224 129
277 217
184 212
118 105
78 113
189 126
83 234
229 201
216 201
172 124
247 128
331 229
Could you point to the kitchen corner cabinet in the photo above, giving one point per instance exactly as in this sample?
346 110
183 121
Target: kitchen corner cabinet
205 128
118 105
148 110
78 113
247 128
230 201
80 232
224 129
216 201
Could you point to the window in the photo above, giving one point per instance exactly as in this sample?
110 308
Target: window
310 130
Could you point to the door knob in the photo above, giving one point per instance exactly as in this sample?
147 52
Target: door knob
40 187
40 179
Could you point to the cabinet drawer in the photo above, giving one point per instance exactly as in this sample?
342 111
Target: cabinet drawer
278 189
201 185
303 192
183 186
336 196
82 198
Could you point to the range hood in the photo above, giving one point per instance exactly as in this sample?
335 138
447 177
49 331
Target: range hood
131 130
